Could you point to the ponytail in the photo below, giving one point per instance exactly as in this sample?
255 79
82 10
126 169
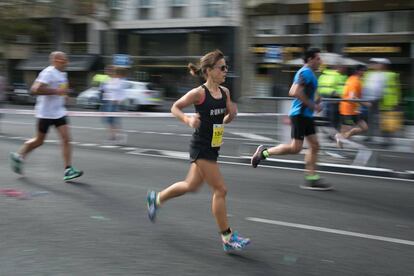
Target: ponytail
194 69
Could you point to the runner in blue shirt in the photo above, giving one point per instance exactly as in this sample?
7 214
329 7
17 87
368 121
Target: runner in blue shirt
301 116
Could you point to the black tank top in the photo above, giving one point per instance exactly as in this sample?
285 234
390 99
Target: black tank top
212 112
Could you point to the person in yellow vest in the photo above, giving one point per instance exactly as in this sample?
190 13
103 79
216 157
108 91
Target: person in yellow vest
331 84
390 116
99 80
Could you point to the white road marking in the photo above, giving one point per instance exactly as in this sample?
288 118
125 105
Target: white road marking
252 136
124 114
153 132
109 146
88 145
128 149
331 230
334 154
141 152
177 154
16 138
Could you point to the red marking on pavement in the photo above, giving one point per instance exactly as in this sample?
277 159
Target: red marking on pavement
13 193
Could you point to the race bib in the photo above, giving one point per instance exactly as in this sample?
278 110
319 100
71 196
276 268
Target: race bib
217 139
63 85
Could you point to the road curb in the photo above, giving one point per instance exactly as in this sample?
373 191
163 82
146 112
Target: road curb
338 168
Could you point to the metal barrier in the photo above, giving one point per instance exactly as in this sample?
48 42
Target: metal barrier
361 154
292 98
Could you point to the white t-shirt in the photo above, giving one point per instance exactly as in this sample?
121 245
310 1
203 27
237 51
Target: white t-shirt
51 106
114 90
374 86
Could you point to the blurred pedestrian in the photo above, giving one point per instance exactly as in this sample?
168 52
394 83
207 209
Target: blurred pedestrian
213 107
331 85
100 79
51 88
374 82
390 115
113 95
352 122
301 116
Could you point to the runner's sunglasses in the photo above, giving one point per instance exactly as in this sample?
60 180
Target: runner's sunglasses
223 67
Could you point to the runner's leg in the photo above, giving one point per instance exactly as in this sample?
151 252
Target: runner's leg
64 133
192 183
311 154
211 172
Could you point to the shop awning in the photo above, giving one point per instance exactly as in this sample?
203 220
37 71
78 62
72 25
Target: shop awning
77 63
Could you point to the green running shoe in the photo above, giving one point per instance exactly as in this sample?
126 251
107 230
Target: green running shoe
71 173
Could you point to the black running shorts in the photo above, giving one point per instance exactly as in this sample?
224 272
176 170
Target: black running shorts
44 124
302 126
350 120
203 153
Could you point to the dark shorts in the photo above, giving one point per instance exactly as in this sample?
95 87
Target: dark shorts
44 124
301 127
350 120
203 153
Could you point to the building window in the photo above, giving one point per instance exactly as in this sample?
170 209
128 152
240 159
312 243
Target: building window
144 9
178 8
399 21
365 22
179 3
216 8
145 3
114 4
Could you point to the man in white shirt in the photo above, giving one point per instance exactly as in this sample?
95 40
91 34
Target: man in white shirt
51 88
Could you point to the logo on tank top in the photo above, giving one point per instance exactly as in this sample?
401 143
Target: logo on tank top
217 111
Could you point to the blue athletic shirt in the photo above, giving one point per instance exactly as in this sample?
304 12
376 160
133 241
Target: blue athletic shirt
305 77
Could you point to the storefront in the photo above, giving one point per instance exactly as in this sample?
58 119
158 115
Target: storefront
162 55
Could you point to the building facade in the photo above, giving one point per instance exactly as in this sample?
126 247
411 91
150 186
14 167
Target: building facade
359 29
71 26
162 37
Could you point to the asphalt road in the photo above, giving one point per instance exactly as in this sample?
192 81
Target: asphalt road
98 225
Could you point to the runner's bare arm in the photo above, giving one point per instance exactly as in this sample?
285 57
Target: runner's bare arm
39 88
192 97
231 108
296 90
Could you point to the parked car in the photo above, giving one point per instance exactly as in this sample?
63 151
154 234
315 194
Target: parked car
138 95
21 94
90 98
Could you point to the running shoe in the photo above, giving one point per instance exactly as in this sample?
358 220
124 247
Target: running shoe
71 173
16 162
338 138
257 156
235 242
152 205
316 185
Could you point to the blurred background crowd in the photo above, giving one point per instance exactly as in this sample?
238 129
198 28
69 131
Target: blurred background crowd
263 41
